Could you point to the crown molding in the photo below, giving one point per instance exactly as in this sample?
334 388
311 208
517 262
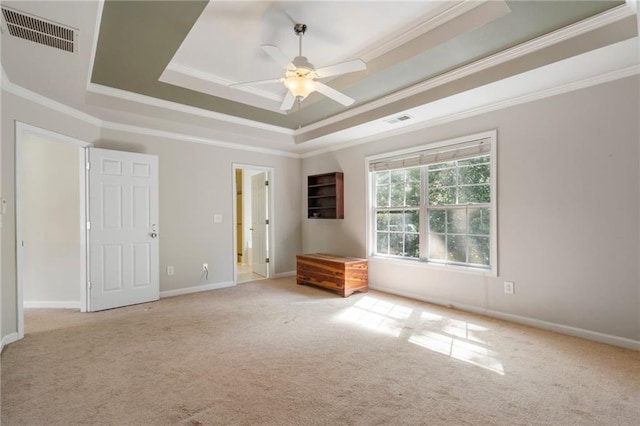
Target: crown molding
174 106
584 26
128 128
211 78
21 92
442 16
541 94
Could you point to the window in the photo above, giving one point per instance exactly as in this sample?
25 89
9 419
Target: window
437 204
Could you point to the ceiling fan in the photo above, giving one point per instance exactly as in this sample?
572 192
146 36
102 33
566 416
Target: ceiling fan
301 77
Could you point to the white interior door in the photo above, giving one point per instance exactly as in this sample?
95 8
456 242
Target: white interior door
259 224
123 232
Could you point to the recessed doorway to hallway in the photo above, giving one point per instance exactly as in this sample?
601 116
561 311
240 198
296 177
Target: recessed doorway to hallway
252 228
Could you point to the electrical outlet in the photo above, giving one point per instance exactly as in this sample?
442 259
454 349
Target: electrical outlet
205 266
169 270
509 287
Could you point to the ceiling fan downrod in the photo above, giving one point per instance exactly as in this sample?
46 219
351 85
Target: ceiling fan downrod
300 29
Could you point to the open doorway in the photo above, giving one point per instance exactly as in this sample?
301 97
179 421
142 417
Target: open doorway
252 223
50 221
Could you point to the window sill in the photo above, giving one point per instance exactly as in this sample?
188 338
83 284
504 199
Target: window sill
434 266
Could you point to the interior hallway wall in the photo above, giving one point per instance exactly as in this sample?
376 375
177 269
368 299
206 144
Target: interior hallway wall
51 221
17 108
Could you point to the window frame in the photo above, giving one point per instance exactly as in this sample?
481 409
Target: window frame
442 145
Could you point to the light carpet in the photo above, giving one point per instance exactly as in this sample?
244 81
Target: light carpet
274 353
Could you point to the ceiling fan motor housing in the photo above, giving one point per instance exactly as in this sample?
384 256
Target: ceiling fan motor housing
300 29
303 67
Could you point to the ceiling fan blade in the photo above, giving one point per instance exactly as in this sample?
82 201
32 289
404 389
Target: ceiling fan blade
257 82
334 94
341 68
277 55
288 101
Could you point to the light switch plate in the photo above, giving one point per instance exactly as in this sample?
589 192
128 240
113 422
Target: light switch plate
217 218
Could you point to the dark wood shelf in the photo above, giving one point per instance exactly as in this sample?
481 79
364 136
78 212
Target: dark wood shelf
325 196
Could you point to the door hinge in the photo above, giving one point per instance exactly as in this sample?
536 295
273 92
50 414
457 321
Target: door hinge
266 183
266 260
88 165
88 284
266 222
88 225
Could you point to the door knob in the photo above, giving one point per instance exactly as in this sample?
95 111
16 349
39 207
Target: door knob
153 235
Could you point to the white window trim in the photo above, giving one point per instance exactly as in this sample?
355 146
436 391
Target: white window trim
492 135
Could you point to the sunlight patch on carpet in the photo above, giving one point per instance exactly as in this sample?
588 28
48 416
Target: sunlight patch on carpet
454 338
377 315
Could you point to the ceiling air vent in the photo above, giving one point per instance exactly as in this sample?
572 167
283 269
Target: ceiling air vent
39 30
399 119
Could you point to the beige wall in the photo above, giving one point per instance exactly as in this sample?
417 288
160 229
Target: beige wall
568 208
51 220
15 108
568 213
195 183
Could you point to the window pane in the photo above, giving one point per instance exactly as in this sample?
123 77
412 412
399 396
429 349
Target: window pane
397 194
437 249
382 221
457 248
458 225
412 221
444 177
442 196
414 175
456 221
411 245
382 196
396 246
479 250
382 178
382 245
474 174
413 193
479 221
438 221
475 194
397 176
396 221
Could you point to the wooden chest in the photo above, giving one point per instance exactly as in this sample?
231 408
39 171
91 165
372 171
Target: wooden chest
344 275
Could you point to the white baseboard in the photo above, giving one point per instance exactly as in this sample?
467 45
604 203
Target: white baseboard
51 305
285 274
196 289
9 338
545 325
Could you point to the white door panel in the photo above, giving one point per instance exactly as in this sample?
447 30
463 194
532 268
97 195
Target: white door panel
123 241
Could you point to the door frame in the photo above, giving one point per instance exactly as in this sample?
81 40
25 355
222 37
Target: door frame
22 129
272 219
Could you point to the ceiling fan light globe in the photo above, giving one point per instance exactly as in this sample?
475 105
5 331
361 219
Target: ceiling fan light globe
301 87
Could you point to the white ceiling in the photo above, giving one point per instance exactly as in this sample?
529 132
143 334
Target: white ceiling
223 46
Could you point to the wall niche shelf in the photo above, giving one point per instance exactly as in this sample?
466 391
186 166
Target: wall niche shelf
325 196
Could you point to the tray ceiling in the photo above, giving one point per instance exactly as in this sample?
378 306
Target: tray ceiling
165 66
198 48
